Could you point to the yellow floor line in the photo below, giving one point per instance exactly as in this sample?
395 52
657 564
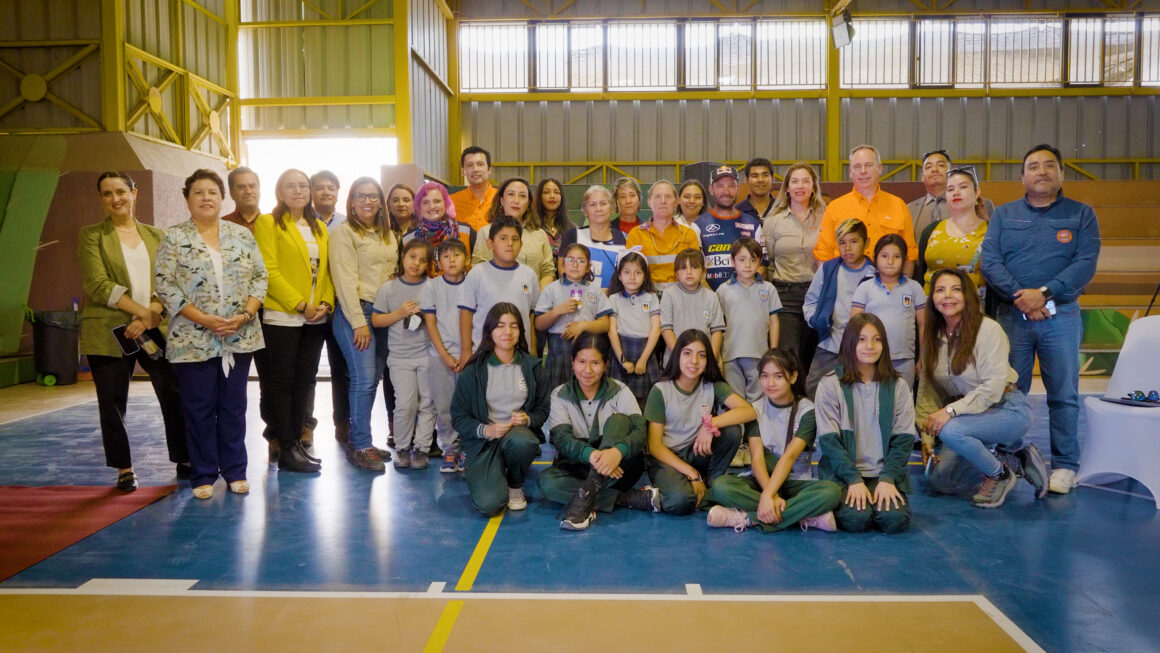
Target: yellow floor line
446 622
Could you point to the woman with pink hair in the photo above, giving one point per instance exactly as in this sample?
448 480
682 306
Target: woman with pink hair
435 221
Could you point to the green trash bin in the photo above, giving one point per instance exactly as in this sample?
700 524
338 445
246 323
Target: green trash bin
56 346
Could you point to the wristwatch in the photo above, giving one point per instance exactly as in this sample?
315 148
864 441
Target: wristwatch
951 412
1046 292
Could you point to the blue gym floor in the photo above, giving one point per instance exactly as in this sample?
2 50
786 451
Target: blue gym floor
1076 572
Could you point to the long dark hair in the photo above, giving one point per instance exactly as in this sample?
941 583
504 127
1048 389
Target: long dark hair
559 221
116 174
486 344
597 341
788 362
884 371
280 209
530 219
672 371
615 285
961 344
414 243
383 221
681 189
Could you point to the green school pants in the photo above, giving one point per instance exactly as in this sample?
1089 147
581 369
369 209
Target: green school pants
560 482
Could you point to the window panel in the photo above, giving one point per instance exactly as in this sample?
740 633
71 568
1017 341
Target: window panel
791 53
735 43
1026 52
642 56
587 57
935 59
1150 51
493 57
879 56
701 54
552 55
970 53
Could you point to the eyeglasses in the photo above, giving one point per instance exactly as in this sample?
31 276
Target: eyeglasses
1138 395
373 198
576 260
944 154
964 170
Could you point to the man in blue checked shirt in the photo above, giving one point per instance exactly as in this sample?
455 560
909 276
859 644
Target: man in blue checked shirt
1039 254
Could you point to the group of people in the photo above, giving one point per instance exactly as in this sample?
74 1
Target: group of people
636 346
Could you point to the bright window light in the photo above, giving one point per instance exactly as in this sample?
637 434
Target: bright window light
347 158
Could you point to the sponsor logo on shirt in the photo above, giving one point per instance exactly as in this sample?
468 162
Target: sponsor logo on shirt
713 228
523 384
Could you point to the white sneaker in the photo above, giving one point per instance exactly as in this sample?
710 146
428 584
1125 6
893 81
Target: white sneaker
516 500
824 522
1062 481
722 517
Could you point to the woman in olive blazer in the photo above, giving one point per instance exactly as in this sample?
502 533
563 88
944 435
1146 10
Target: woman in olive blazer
116 259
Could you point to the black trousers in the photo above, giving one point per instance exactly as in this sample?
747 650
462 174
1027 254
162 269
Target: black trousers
288 367
111 376
339 386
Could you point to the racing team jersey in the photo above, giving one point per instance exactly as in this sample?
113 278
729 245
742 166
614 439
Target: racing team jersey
717 237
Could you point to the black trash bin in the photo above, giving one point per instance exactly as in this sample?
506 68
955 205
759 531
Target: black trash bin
56 346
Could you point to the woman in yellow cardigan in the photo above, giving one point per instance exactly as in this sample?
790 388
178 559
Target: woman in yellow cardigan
116 258
299 299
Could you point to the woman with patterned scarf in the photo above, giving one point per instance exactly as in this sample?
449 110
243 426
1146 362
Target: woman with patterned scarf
435 221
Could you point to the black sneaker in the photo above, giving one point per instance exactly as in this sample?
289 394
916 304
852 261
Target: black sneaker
993 492
578 513
648 499
293 460
1034 469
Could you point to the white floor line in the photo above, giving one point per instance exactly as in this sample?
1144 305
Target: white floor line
693 589
1112 489
1008 626
47 411
436 587
137 586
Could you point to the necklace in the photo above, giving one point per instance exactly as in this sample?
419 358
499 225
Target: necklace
657 249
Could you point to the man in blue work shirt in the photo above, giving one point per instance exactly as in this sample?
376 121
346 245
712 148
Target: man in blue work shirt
1039 254
722 224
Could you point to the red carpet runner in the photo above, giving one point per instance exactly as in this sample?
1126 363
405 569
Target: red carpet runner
36 522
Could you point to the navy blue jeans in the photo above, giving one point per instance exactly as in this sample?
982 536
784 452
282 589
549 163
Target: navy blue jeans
215 418
1056 341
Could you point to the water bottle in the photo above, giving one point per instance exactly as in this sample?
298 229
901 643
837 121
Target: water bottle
148 346
578 295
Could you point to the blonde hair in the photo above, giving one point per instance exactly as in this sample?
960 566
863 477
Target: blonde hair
851 226
815 202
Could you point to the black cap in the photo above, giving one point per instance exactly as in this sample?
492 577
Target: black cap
722 171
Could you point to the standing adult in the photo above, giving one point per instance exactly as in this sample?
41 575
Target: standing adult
210 276
661 238
514 200
603 241
116 258
473 204
245 190
690 203
627 194
722 225
1038 255
934 205
881 212
956 241
435 222
549 203
298 302
364 254
324 189
401 209
791 232
759 180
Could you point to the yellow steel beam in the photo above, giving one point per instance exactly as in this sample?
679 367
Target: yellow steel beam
316 23
6 131
431 71
602 96
319 133
68 64
177 44
402 61
832 170
367 5
113 100
454 105
233 18
52 43
70 108
205 12
315 8
319 101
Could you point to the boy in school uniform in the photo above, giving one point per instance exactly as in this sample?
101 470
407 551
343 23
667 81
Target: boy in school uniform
689 304
502 279
440 305
750 305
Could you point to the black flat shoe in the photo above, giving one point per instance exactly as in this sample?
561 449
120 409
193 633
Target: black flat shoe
126 481
184 470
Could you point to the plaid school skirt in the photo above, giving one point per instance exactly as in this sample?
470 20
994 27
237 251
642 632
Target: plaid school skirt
558 365
639 384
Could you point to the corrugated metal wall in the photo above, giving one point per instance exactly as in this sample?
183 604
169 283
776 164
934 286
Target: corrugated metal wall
971 128
476 9
427 33
40 21
316 61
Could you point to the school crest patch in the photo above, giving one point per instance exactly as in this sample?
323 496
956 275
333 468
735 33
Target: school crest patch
644 305
706 313
763 295
592 297
907 301
523 384
1063 235
525 288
